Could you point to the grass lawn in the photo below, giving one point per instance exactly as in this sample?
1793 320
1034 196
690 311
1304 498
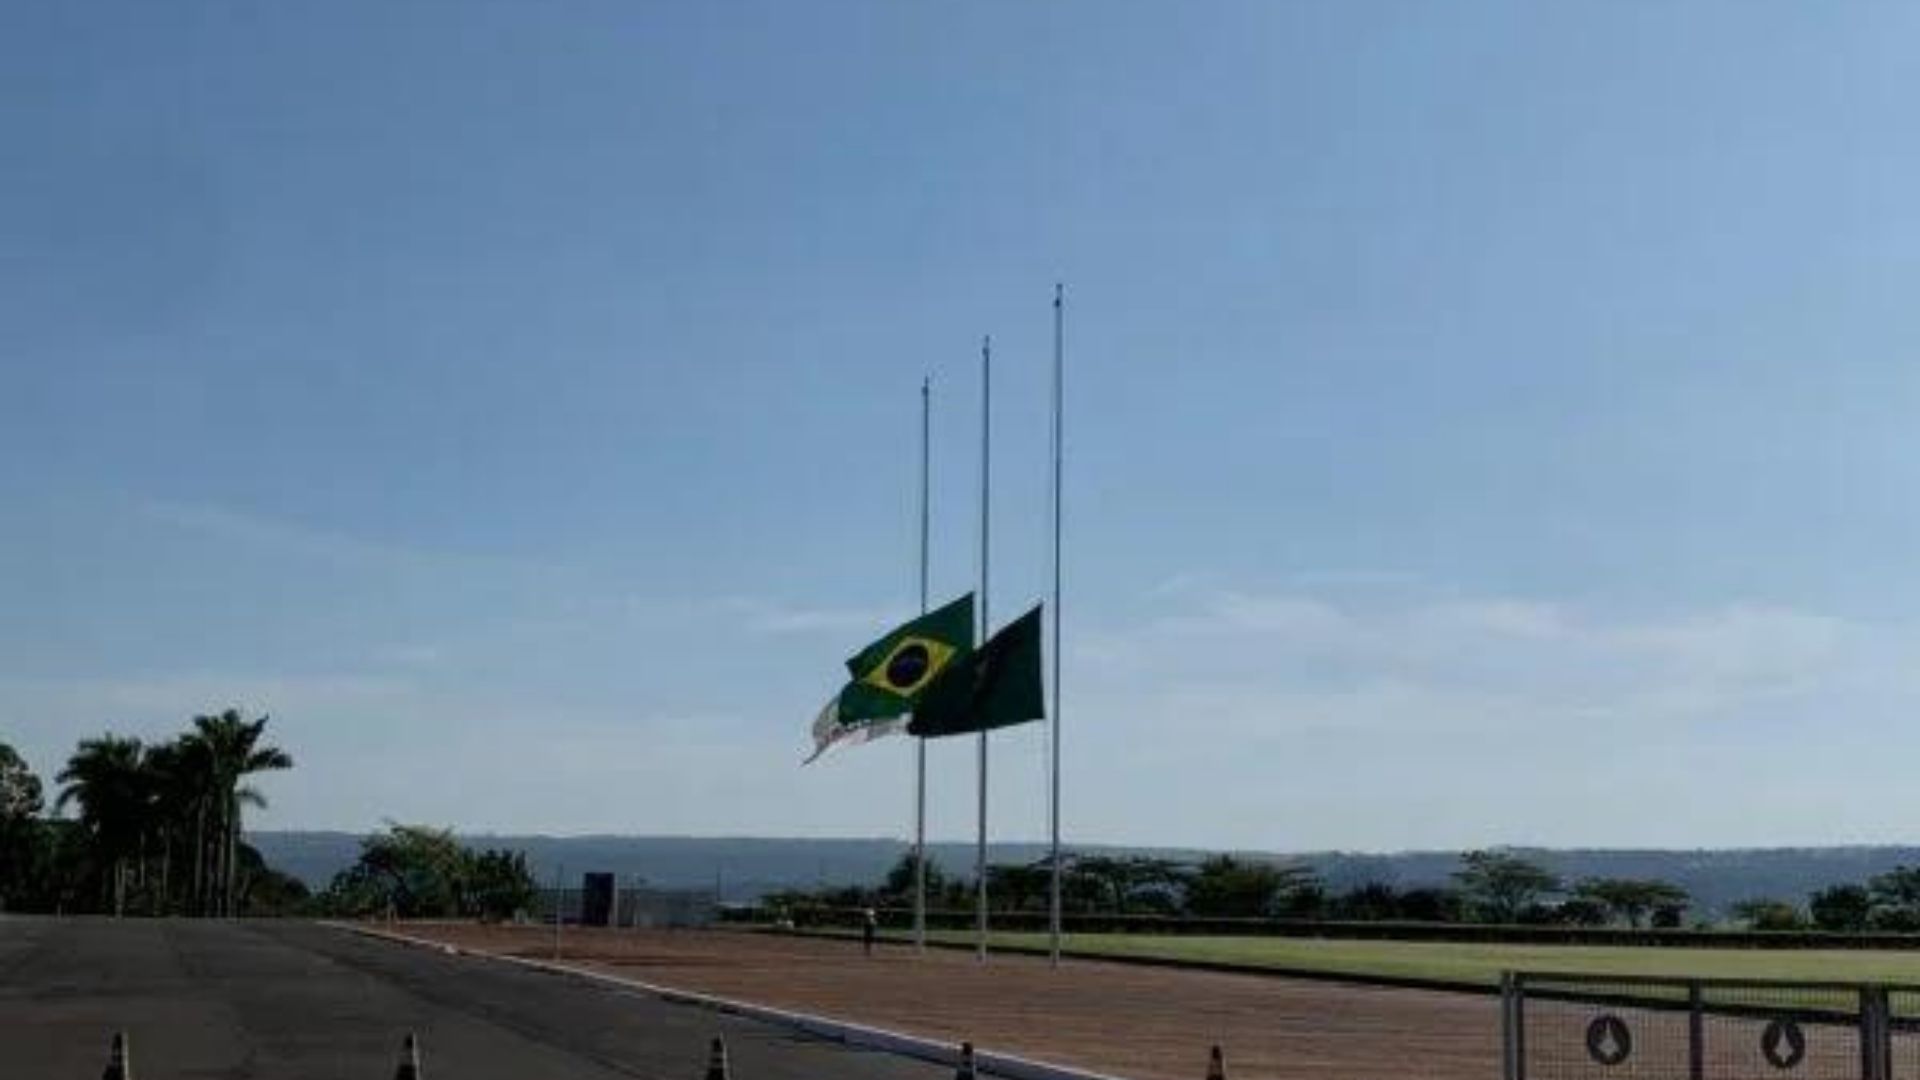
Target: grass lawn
1482 964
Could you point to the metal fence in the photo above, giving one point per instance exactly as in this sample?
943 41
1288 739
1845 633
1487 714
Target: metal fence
1598 1027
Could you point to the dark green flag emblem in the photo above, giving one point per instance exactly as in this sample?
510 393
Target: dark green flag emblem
996 686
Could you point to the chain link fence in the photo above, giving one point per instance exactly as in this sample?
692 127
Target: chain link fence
1593 1027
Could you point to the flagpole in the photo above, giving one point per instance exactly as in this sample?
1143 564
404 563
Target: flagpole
1059 454
986 624
920 745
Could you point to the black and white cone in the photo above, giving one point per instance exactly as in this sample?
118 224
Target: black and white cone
119 1066
409 1068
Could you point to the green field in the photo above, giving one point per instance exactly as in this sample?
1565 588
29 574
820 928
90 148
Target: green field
1481 965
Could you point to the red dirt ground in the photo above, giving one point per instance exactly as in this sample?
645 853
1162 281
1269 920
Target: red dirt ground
1126 1020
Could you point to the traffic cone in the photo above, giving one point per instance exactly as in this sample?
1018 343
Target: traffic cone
1216 1065
119 1067
717 1067
965 1072
409 1059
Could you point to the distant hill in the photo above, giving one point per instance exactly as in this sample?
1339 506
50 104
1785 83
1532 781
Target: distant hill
747 867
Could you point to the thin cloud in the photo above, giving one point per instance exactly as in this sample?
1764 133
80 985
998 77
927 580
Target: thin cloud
1256 662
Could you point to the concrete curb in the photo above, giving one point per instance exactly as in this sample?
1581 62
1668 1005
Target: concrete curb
893 1042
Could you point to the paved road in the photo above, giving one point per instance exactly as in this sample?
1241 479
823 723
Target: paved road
292 1000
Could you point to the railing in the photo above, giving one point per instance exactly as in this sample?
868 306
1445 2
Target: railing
805 916
1557 1026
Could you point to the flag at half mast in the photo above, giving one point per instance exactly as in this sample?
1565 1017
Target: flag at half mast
890 675
995 686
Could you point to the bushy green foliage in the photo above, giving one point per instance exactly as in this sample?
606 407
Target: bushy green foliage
1769 915
900 879
158 826
1841 908
1583 911
20 803
1895 899
1499 886
416 871
1225 886
1632 899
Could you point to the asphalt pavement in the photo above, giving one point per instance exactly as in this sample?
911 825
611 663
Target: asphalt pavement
282 999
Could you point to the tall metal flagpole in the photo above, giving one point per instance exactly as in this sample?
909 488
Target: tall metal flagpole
1059 454
986 472
920 745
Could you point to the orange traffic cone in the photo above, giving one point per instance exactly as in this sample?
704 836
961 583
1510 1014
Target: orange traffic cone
409 1059
1216 1065
119 1067
717 1067
965 1072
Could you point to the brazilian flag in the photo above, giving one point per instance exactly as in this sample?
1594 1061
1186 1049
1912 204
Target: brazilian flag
997 686
890 675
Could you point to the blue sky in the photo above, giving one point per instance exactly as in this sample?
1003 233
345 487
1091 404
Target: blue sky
1489 423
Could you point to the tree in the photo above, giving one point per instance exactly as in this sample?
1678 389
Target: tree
1769 914
104 776
1582 911
416 871
1431 905
141 807
20 805
1632 899
1301 897
423 867
1841 908
900 879
1896 899
1375 901
1500 885
20 793
262 890
1668 916
1105 880
1013 887
178 790
1225 887
1122 885
228 751
499 885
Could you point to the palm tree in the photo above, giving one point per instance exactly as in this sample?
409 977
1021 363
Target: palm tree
177 785
105 776
229 750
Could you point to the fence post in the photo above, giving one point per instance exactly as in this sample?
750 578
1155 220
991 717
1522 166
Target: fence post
1876 1035
1513 1026
1696 1034
1506 1026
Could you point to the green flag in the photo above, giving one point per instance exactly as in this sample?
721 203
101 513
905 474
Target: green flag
905 661
996 686
891 674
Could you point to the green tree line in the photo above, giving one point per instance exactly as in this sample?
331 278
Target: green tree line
157 827
1490 887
